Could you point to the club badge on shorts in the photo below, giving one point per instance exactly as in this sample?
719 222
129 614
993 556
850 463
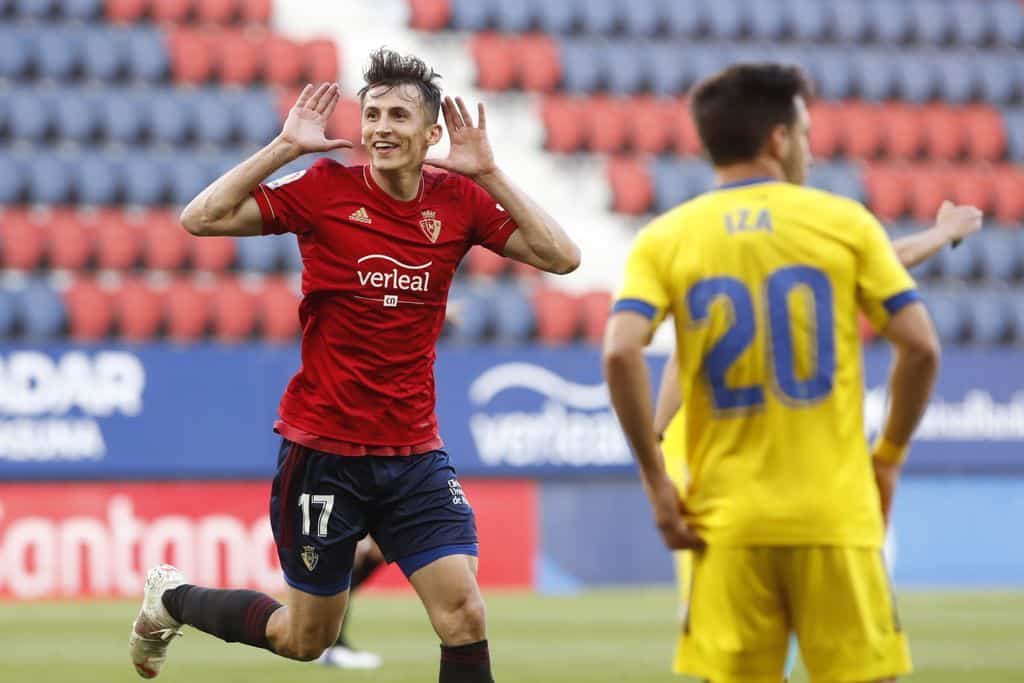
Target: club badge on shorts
309 557
430 225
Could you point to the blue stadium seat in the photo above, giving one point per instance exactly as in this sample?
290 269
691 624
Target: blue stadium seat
845 179
104 55
82 10
997 78
40 310
768 20
972 21
291 254
214 118
929 269
684 19
891 20
259 121
75 115
59 53
1008 22
260 254
49 181
148 60
642 19
706 62
515 320
949 316
677 181
16 52
1001 261
875 71
916 78
34 9
852 20
171 116
581 65
957 78
669 70
726 19
1016 313
810 19
28 117
963 263
187 177
8 314
991 318
473 304
121 114
96 179
12 179
626 67
144 179
931 21
515 16
600 17
471 15
1013 120
556 17
832 73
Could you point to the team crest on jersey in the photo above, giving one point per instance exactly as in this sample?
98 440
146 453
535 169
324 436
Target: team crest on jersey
430 225
309 557
285 179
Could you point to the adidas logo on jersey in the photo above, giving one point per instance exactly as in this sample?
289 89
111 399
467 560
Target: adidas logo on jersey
360 215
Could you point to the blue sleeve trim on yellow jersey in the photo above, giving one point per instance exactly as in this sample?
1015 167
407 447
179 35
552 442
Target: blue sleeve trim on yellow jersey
897 301
637 306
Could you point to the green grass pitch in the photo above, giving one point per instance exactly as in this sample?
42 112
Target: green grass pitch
597 637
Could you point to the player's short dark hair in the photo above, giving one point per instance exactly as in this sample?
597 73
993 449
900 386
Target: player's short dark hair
736 109
390 68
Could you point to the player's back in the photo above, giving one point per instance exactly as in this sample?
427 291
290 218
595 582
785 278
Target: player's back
766 281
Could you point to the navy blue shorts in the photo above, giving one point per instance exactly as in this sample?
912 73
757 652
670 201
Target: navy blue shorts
322 504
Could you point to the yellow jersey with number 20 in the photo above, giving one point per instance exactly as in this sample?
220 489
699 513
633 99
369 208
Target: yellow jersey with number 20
764 280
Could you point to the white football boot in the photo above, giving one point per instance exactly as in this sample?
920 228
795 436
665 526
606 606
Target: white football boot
154 628
344 657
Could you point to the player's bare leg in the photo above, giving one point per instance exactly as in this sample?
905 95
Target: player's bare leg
342 655
449 592
307 626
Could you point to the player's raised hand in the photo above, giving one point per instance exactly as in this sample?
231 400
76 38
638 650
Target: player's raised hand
470 152
307 120
668 514
958 221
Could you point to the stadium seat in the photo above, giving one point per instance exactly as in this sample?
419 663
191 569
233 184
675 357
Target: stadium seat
555 18
148 56
40 310
495 66
104 55
259 254
929 187
138 309
23 239
191 54
211 253
71 241
171 116
321 60
8 314
49 181
957 79
82 10
35 9
974 185
539 62
991 319
1008 22
28 117
972 21
557 314
986 136
726 19
562 123
126 11
678 181
632 192
810 19
875 72
278 307
626 67
965 262
218 12
1013 121
16 52
514 320
825 130
1016 312
832 74
144 181
595 308
944 131
255 11
238 57
214 116
852 21
1001 259
767 20
165 243
903 130
173 11
59 53
118 241
930 21
188 310
669 72
471 310
429 15
916 78
282 61
949 316
1008 185
890 21
862 128
259 122
601 17
582 65
470 15
997 78
121 117
12 180
684 131
649 122
89 309
485 263
187 178
96 179
233 310
642 18
888 190
606 124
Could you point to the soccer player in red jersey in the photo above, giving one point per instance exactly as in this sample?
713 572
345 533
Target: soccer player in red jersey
360 450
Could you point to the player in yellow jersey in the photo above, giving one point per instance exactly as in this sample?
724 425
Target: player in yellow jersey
763 279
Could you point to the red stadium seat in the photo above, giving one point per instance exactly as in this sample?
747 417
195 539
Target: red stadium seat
496 67
540 66
212 253
607 123
974 185
279 311
944 132
346 122
286 98
321 59
238 58
557 316
986 136
524 272
562 117
139 310
649 124
166 243
234 311
118 242
192 56
824 133
929 187
256 11
904 132
188 311
867 332
126 11
282 62
632 189
429 15
862 127
90 310
484 262
71 240
888 190
595 308
684 130
23 240
1009 193
176 11
218 12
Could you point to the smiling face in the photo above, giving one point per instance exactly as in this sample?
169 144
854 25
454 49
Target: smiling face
395 127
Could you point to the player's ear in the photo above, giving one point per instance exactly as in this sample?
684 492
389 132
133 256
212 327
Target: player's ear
434 134
779 141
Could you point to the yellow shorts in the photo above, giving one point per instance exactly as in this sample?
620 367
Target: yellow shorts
745 601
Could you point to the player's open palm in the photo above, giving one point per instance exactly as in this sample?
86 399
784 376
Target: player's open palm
470 152
668 515
958 221
307 120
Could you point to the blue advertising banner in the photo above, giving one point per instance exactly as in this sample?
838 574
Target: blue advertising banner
193 412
